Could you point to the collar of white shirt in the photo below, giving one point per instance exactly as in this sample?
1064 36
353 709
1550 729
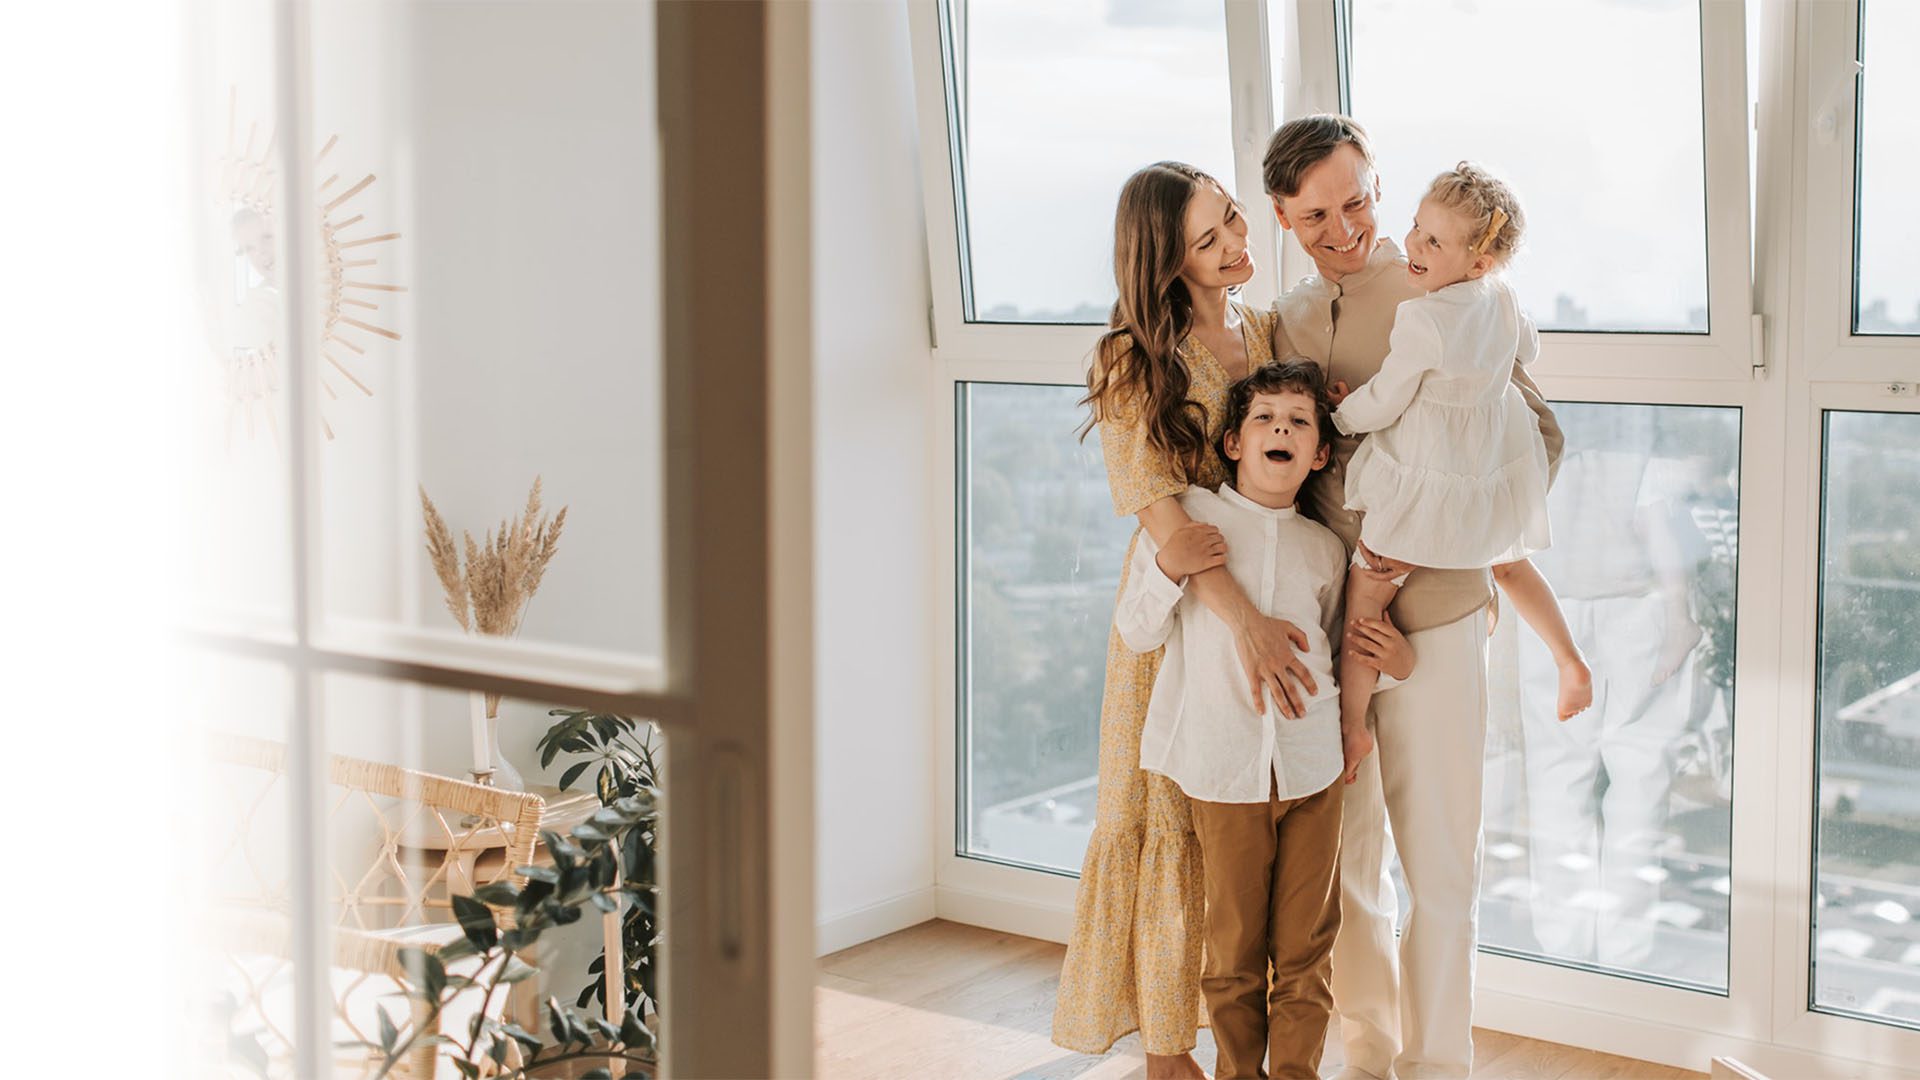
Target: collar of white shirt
1234 498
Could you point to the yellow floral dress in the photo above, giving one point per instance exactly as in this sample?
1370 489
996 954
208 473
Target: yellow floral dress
1133 962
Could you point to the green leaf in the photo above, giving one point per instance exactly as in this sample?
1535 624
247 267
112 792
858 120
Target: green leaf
605 903
559 1022
498 1051
587 830
573 773
597 1074
425 969
522 1036
251 1054
546 874
476 919
517 971
633 1032
457 949
388 1033
499 893
467 1068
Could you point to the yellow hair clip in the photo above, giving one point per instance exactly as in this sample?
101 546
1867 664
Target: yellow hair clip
1493 230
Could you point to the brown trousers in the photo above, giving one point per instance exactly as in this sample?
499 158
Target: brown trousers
1273 902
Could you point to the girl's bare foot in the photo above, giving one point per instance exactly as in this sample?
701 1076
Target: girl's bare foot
1356 742
1174 1067
1576 688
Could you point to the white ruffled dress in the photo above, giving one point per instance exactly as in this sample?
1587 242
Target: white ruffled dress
1454 472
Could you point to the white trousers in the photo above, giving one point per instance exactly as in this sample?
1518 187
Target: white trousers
1590 852
1409 1009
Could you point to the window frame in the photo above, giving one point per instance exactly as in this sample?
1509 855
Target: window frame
737 831
1827 83
1779 352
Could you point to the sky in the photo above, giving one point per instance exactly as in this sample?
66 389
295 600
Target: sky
1591 108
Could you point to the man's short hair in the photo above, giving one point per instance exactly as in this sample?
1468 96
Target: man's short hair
1299 145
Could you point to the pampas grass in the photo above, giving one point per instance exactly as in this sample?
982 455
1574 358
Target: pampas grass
490 591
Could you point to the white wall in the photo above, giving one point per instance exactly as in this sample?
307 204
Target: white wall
875 571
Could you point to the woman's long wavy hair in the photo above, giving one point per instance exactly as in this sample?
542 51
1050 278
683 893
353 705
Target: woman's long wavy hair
1138 358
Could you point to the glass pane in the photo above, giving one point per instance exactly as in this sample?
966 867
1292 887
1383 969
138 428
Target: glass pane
1058 103
1041 552
1886 295
436 799
1591 108
1866 941
242 890
1608 836
237 423
475 341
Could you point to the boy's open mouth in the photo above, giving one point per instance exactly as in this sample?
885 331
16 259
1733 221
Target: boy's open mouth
1282 456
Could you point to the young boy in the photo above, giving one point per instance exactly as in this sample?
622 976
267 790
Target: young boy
1265 806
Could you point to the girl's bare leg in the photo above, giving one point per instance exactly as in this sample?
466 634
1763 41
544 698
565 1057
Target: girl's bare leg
1365 600
1533 598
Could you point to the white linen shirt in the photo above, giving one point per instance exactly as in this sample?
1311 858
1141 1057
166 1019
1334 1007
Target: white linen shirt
1202 731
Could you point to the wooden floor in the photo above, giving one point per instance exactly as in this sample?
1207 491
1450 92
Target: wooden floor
945 1000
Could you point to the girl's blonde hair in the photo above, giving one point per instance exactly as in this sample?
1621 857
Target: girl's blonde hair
1495 222
1138 358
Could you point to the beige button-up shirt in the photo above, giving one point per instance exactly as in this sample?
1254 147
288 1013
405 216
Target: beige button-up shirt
1343 326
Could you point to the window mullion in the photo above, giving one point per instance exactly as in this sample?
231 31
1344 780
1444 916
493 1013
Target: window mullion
1249 46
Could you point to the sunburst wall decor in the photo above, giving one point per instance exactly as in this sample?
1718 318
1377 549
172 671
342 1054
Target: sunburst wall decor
350 293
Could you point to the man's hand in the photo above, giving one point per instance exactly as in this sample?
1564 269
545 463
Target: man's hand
1681 638
1378 644
1193 548
1338 391
1267 654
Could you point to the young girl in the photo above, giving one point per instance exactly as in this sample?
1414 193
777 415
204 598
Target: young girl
1454 474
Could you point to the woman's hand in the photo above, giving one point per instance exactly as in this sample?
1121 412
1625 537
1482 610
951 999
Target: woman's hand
1378 644
1193 548
1267 649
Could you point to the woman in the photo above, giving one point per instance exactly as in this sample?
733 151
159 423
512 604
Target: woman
1157 391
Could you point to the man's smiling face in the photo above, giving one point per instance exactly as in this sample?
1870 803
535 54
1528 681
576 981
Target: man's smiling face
1332 213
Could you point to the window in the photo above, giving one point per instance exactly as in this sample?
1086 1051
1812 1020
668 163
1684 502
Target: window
1607 179
1609 836
1043 552
1056 105
1866 953
430 235
1886 297
1691 197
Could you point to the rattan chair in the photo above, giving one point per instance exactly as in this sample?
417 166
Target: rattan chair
401 844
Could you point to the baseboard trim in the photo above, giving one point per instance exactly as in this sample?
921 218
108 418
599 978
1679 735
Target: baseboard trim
1663 1044
1035 920
1589 1029
873 921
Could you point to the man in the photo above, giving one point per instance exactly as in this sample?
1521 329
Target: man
1622 566
1410 1014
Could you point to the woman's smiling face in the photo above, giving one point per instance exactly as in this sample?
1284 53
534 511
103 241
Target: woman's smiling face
1216 234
